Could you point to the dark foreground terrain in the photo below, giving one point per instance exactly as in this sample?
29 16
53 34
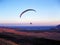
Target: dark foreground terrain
12 37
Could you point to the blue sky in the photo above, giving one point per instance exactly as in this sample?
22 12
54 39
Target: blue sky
47 12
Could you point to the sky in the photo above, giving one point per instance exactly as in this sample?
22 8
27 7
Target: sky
47 12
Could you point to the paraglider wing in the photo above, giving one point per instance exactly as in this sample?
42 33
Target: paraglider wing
26 11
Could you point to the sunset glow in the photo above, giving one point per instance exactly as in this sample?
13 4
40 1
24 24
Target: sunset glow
47 12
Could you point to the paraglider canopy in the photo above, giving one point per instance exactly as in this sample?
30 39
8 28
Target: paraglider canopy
26 11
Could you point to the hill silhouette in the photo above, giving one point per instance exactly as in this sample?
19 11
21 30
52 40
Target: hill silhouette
27 38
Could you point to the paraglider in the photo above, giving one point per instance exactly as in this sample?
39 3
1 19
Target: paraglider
27 11
30 23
